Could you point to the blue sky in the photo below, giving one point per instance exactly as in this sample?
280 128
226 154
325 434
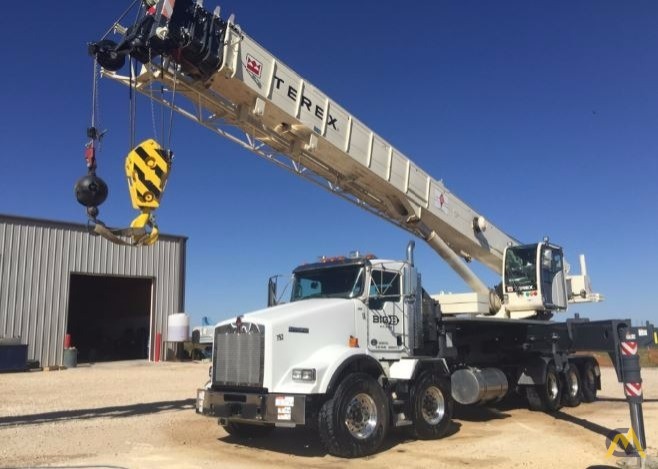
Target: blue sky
541 115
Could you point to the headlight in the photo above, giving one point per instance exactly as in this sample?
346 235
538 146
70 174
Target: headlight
303 374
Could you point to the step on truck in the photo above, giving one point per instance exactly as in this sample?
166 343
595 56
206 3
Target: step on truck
361 347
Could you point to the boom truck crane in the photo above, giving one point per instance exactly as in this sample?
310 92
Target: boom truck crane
361 347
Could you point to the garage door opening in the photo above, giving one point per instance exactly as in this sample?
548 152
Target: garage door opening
109 318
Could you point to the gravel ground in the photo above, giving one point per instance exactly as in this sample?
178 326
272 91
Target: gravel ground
141 415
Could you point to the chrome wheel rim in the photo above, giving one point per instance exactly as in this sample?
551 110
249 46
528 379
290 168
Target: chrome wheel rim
361 416
433 405
552 386
573 383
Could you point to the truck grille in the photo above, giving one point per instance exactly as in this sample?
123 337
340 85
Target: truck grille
238 355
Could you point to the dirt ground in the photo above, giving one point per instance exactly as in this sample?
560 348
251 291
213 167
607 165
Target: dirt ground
141 415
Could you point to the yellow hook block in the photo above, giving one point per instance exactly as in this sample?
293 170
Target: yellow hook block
140 234
147 169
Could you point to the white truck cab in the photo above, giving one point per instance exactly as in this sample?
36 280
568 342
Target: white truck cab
349 320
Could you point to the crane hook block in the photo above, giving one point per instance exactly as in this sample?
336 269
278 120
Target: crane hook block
147 168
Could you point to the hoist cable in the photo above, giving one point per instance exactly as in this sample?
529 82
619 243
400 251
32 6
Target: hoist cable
171 114
123 15
94 94
132 108
152 99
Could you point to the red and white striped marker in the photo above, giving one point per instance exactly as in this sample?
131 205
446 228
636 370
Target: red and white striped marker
633 389
168 8
629 348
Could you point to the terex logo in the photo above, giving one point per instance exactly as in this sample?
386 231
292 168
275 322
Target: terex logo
254 66
391 319
291 92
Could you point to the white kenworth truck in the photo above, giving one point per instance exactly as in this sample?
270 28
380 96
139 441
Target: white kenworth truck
362 347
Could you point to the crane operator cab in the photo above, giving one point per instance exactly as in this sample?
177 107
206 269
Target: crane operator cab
534 278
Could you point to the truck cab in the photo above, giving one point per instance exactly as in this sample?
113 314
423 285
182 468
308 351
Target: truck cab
351 320
339 308
385 292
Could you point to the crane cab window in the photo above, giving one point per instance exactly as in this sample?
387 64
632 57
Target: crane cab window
521 268
551 262
385 285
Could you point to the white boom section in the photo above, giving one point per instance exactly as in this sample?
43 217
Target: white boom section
324 137
255 92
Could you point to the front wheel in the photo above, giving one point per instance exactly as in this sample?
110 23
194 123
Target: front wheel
431 406
354 422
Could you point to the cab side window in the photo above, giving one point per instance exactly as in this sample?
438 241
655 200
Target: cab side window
385 284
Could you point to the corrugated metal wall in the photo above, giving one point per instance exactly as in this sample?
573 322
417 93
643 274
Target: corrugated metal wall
37 258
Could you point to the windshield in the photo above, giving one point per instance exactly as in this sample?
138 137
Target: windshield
331 282
520 268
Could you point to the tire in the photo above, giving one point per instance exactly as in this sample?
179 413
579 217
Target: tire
572 387
588 380
246 430
431 406
354 422
546 397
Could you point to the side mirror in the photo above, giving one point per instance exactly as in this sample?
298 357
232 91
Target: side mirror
271 291
410 298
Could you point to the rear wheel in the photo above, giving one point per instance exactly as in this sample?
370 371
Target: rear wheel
246 430
546 397
572 393
589 383
431 406
354 422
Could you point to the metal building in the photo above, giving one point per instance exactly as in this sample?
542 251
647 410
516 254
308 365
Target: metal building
56 278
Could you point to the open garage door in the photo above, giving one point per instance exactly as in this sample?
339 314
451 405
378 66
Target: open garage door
109 318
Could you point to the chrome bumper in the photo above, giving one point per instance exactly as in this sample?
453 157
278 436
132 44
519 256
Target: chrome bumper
283 410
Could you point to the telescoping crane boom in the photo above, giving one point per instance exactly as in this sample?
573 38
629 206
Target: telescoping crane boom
221 78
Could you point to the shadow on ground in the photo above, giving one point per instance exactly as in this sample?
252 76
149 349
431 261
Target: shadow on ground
480 414
85 466
101 412
620 399
304 443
